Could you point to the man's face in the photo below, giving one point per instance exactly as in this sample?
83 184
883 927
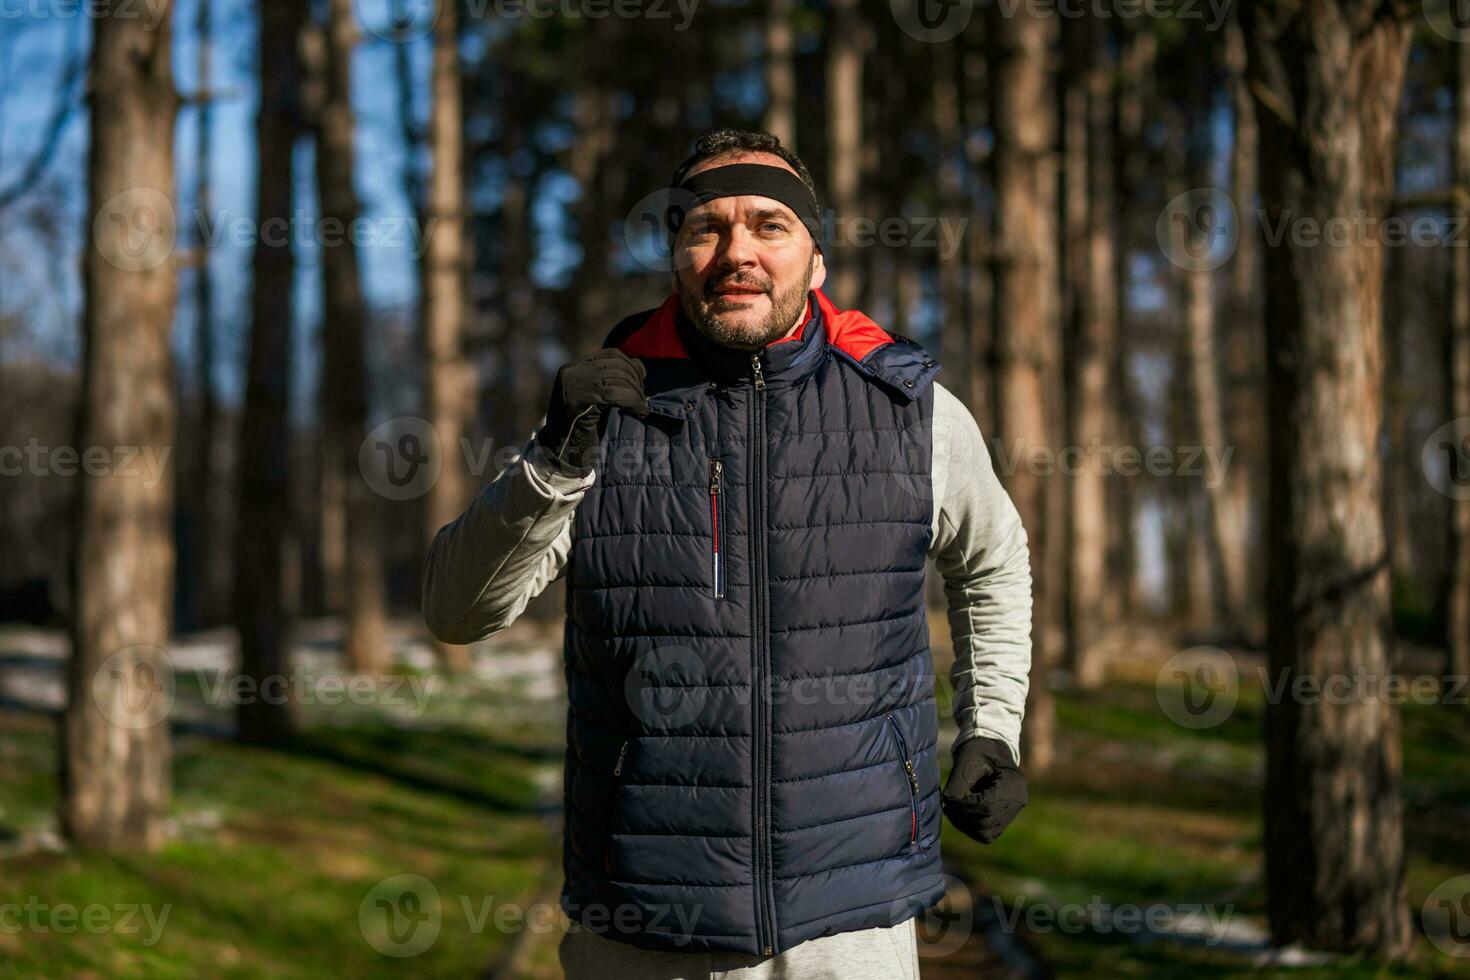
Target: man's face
745 265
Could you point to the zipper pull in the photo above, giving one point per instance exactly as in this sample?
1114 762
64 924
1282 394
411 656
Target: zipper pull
618 769
716 472
755 366
908 765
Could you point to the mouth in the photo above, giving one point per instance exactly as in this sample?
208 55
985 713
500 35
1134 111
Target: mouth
738 293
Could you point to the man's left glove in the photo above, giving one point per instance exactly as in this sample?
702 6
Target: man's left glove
985 789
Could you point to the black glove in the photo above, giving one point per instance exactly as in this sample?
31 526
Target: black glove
576 419
985 789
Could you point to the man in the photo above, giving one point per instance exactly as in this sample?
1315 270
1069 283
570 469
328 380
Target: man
742 488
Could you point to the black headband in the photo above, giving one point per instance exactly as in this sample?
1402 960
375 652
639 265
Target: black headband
740 179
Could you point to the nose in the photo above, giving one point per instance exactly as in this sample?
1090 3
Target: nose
737 250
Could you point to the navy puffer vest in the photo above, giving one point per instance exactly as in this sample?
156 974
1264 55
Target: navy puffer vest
764 530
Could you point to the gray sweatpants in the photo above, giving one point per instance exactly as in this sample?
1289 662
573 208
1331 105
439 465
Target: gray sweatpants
885 953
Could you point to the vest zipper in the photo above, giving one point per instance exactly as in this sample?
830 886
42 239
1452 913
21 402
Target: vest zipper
759 613
612 808
717 558
908 768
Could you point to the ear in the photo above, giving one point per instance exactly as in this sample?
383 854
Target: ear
819 271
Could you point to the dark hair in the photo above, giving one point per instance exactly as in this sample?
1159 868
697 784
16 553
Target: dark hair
734 142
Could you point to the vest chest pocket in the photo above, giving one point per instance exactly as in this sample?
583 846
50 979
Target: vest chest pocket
716 506
912 777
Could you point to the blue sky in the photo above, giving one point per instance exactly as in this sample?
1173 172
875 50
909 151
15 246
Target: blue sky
42 287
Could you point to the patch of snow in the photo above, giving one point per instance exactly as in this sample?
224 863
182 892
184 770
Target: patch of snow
1293 955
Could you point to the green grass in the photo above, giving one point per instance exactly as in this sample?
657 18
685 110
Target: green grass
1139 810
280 850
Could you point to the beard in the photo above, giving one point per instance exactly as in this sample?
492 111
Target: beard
722 320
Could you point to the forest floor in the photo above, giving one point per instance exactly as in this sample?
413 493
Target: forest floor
1140 853
297 862
289 863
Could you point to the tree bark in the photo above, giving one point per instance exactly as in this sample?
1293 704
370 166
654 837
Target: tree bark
197 554
344 381
1457 380
1222 598
1136 61
265 431
1242 345
1092 334
977 377
846 47
780 118
449 382
116 755
1026 347
1327 79
952 208
598 172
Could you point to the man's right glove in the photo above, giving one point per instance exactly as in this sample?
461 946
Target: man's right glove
576 419
985 789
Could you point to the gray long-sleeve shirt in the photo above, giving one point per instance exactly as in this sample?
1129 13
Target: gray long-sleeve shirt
513 541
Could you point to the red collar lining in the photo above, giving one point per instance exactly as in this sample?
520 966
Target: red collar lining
848 330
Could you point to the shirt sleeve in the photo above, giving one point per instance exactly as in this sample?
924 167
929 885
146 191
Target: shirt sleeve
512 541
980 549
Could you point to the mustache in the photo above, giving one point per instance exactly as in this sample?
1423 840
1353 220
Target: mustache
743 281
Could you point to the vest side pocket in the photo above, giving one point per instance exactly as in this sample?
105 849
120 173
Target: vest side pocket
611 816
912 777
716 506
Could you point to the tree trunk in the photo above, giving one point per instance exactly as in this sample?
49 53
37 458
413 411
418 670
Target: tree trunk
197 545
976 376
116 747
265 430
1223 599
951 206
344 374
1191 573
1026 350
1093 326
1457 382
1242 340
596 169
1136 62
780 117
449 382
846 46
1327 79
